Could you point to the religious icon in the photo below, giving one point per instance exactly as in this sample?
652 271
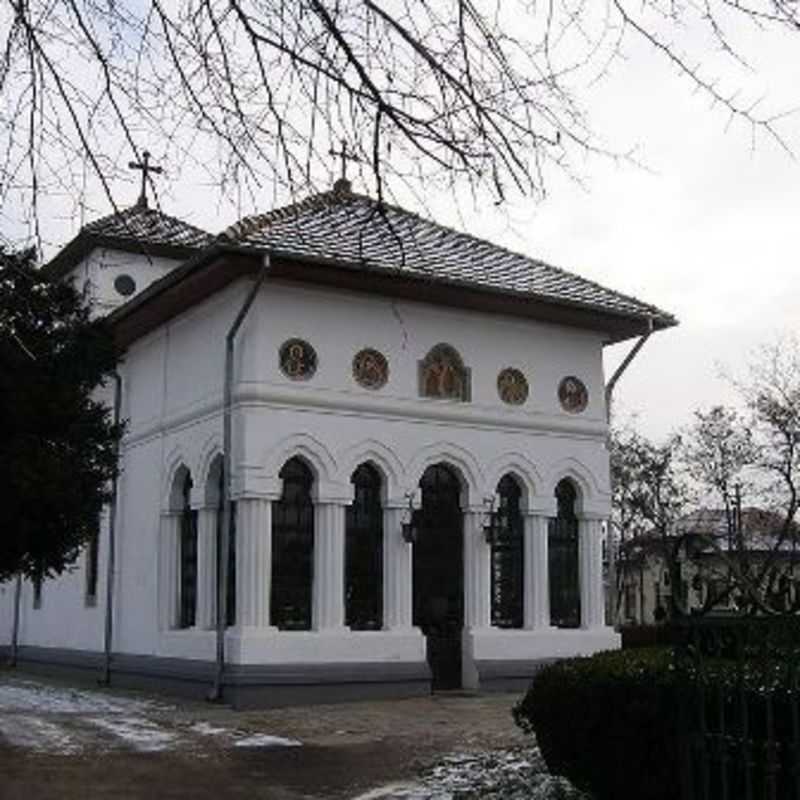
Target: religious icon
573 395
298 359
512 386
370 369
443 375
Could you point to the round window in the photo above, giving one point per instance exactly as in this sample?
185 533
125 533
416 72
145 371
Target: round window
125 285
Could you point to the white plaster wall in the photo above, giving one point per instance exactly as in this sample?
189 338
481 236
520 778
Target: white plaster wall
172 398
97 272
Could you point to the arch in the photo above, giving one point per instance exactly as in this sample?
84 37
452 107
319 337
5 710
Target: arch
212 491
563 557
211 449
581 476
461 460
442 374
176 500
525 472
312 451
507 570
382 458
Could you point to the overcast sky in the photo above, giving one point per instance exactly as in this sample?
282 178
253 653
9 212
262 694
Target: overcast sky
708 231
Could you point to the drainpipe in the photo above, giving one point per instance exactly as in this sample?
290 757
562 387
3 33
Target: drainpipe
624 365
222 564
12 661
112 546
612 554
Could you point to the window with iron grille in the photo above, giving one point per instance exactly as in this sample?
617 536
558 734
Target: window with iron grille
230 588
293 549
188 560
92 563
364 552
507 557
562 543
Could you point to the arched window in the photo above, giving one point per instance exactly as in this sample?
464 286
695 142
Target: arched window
217 475
507 557
565 598
442 374
187 608
293 549
364 552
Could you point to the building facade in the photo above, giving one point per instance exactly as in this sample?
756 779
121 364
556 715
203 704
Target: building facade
419 473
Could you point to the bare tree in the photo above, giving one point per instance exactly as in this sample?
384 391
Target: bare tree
257 91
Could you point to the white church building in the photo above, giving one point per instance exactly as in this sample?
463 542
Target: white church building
419 479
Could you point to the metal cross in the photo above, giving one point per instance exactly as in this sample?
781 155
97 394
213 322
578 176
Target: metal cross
345 156
146 168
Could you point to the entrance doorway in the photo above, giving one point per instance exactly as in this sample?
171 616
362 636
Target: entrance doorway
439 574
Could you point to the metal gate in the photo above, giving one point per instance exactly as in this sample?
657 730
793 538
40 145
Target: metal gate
439 574
738 685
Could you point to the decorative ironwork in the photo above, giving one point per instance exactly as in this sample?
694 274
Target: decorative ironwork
507 557
145 168
364 552
298 360
573 395
562 544
188 560
442 374
370 369
439 574
293 549
512 386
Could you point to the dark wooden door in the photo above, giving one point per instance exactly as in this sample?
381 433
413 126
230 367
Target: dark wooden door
439 574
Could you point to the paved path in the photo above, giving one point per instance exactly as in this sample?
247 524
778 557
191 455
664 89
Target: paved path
61 742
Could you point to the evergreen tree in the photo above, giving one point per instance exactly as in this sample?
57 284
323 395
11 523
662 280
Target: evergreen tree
58 441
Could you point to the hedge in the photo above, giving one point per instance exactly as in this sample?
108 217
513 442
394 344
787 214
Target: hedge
608 723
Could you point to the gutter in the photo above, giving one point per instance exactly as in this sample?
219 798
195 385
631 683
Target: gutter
625 364
227 521
110 567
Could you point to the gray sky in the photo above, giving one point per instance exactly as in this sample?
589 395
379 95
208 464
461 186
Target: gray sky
707 230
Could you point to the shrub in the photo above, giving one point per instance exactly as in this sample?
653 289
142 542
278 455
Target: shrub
609 723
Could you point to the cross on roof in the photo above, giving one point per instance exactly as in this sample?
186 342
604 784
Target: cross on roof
345 156
146 168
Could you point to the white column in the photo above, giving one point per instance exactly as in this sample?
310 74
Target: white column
328 590
536 572
591 572
477 608
397 571
253 562
168 561
206 568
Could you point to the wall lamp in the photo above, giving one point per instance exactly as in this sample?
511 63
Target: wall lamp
408 527
490 518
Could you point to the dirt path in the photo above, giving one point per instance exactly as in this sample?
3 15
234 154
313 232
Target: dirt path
57 742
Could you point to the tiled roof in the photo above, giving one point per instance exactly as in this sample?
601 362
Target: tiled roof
148 226
356 229
138 229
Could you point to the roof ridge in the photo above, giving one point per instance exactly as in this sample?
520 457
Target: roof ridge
136 211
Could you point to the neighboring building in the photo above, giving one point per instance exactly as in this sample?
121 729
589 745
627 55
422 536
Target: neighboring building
711 548
420 473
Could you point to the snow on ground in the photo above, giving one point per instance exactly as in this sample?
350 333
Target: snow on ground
60 720
141 734
517 774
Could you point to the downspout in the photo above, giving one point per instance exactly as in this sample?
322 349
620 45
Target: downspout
624 365
609 391
12 661
222 569
112 546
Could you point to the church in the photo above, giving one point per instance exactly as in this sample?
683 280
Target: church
365 456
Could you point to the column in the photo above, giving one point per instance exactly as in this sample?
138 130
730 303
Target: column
591 572
253 562
168 572
477 608
536 572
327 601
397 570
206 568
